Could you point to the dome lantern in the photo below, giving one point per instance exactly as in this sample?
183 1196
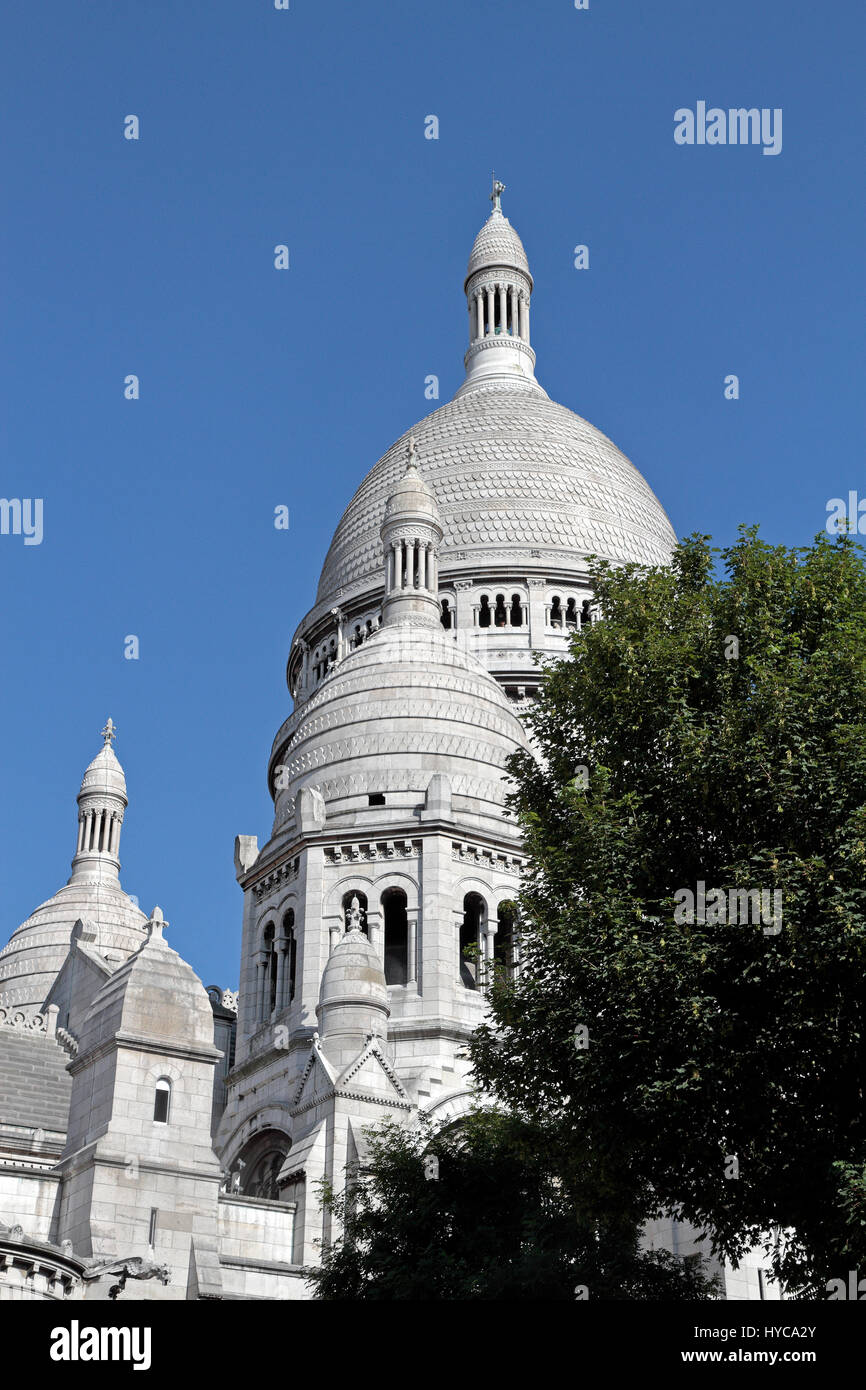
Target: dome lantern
102 802
498 288
411 533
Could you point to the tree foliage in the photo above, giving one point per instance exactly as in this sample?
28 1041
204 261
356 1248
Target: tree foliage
736 764
498 1221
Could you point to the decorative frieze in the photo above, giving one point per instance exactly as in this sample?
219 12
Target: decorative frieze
283 873
372 851
482 857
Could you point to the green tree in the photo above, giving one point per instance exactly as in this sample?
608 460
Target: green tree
710 729
496 1221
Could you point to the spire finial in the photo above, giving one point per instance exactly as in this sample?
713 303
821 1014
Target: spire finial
109 732
411 455
496 195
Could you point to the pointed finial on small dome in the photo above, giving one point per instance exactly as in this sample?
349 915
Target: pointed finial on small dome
109 732
157 924
411 454
496 195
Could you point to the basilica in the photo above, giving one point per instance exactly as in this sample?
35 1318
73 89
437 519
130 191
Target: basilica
160 1139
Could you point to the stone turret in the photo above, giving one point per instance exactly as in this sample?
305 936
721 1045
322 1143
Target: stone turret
411 533
353 1000
139 1175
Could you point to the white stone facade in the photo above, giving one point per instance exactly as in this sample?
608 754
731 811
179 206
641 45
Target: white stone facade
162 1152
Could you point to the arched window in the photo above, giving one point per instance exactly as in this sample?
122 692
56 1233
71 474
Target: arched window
256 1168
571 614
290 957
355 911
369 625
586 613
516 614
556 612
270 969
474 910
162 1101
358 637
500 613
504 941
484 614
396 936
445 618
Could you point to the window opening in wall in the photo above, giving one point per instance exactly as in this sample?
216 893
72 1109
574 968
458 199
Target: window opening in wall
271 961
571 613
470 937
290 948
396 936
555 612
376 799
484 614
586 613
516 611
503 945
445 618
500 615
162 1101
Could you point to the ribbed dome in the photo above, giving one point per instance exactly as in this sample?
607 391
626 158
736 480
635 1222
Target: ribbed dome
353 975
406 704
516 476
412 497
30 962
105 774
497 244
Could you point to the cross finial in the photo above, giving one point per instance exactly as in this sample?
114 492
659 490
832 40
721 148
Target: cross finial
496 195
109 732
411 459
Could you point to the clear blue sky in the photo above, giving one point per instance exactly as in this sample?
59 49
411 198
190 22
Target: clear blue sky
261 388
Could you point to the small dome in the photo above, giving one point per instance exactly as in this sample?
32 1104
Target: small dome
497 244
34 955
104 775
353 975
412 497
154 994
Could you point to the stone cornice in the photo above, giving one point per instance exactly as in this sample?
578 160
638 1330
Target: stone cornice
133 1042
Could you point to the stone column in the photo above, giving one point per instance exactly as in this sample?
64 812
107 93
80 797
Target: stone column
422 565
461 612
525 333
479 309
262 1010
491 318
398 564
412 946
376 930
537 613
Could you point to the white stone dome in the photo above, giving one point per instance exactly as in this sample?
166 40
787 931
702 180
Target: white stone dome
405 705
498 244
113 924
518 480
104 774
36 951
